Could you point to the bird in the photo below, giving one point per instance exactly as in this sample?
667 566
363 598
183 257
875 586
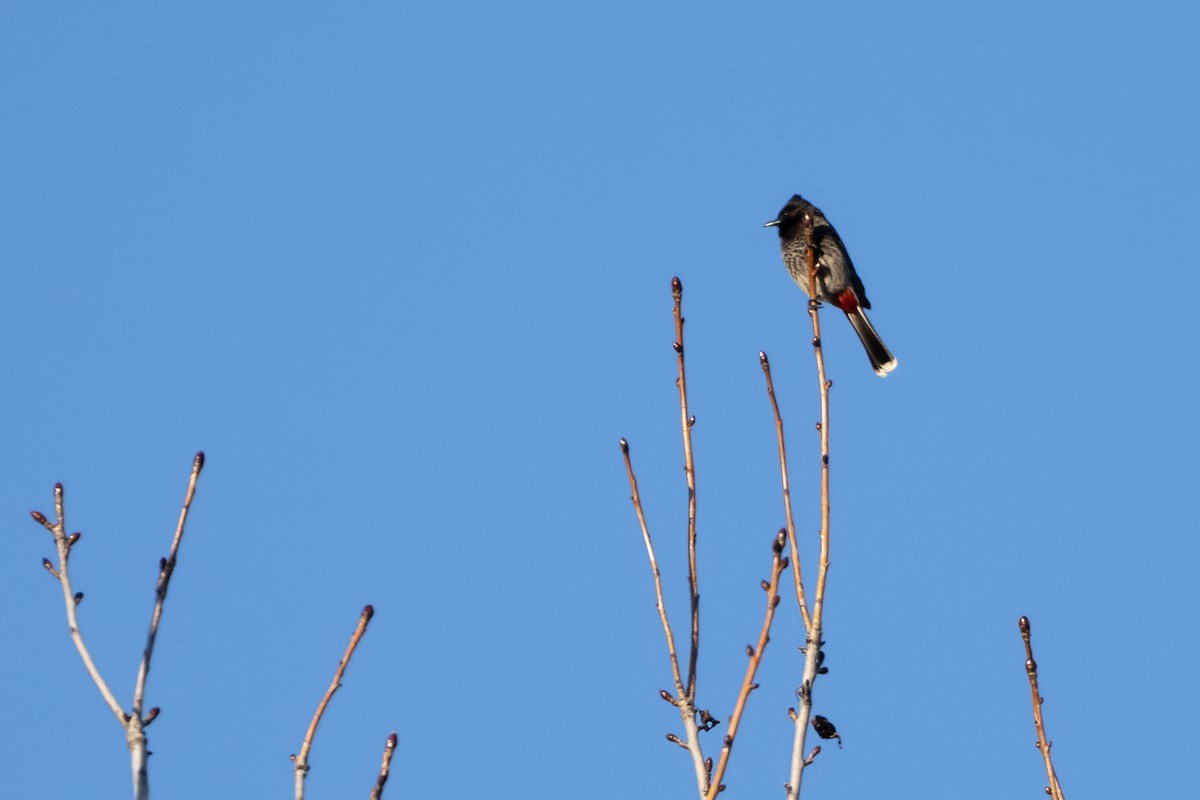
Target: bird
836 281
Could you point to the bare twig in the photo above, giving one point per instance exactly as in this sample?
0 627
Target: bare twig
814 641
779 563
135 733
1043 744
681 700
687 421
389 750
64 544
301 760
797 572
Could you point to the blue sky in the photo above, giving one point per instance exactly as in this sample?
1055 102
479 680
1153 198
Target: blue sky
402 271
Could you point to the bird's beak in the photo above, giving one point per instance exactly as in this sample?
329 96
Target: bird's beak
772 224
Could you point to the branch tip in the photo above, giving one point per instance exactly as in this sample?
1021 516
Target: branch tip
368 611
198 461
624 446
676 287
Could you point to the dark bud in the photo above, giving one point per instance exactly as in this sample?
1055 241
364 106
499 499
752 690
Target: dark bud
673 738
1023 623
816 342
292 756
162 564
774 601
676 286
783 562
1031 666
818 426
721 788
78 598
58 491
750 651
1046 789
791 714
728 740
708 765
73 538
753 686
762 359
665 695
678 347
822 670
829 384
198 461
38 517
691 421
368 611
765 586
825 729
624 446
391 742
780 541
151 715
48 566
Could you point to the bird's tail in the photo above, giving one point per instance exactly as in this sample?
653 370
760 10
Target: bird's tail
882 360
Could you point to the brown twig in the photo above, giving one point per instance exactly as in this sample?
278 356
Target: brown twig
301 760
1043 744
797 572
814 641
779 563
687 421
389 750
680 690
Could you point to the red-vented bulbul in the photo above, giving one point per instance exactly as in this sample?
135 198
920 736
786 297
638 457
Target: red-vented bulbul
837 282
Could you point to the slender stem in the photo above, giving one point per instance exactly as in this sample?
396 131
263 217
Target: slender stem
658 591
687 708
686 422
164 580
778 565
1043 744
301 760
63 544
389 750
797 572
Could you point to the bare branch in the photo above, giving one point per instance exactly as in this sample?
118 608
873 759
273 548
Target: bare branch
389 750
797 572
778 565
64 544
301 760
166 570
686 422
1043 744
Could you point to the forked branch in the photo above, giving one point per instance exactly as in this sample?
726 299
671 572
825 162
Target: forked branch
134 722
